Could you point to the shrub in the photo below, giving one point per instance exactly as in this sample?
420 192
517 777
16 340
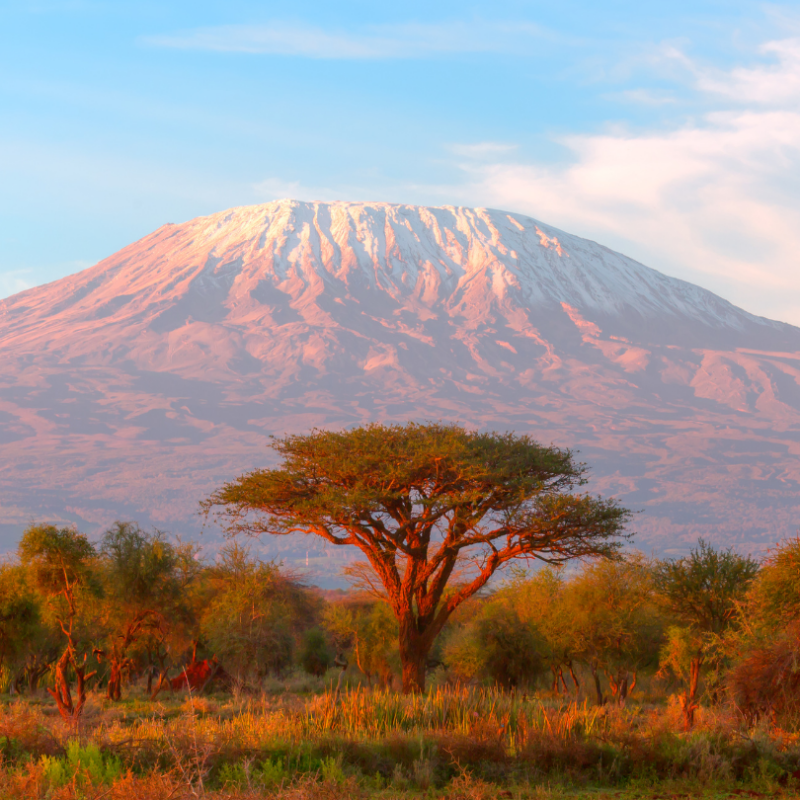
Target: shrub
315 656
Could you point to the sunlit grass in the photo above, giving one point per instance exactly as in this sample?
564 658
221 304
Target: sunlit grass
464 742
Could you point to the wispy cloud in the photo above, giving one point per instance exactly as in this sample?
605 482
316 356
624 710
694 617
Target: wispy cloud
371 42
482 150
775 83
643 97
279 189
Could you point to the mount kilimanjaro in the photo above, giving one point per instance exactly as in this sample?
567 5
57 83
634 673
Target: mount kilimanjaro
133 388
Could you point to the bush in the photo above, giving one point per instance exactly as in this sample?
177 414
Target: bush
315 656
498 645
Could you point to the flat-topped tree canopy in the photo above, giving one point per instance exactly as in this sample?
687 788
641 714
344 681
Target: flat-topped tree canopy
436 510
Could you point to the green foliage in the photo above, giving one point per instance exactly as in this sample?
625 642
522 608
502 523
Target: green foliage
331 769
271 773
538 600
498 645
441 471
701 593
315 656
81 763
613 618
774 597
140 573
58 558
252 616
140 568
680 647
20 615
703 589
367 630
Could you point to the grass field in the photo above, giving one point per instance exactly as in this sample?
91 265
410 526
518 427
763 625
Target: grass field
455 743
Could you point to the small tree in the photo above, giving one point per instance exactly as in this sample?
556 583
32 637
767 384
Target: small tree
539 601
139 572
253 614
765 642
19 615
700 592
614 622
178 631
422 502
61 562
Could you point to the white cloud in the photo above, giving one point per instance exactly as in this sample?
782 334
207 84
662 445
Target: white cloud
376 41
715 201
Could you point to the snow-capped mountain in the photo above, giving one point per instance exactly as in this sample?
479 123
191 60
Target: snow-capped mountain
134 387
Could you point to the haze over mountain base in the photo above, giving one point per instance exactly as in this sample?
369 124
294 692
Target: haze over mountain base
134 388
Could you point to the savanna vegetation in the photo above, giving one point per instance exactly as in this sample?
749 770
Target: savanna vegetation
132 668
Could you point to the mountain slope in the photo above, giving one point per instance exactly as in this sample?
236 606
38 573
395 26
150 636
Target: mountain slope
134 387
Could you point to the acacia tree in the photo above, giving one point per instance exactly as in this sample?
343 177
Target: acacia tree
424 502
62 564
702 592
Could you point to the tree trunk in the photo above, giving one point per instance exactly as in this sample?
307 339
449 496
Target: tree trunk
114 690
574 678
623 687
689 700
80 685
414 674
414 651
33 680
598 689
61 693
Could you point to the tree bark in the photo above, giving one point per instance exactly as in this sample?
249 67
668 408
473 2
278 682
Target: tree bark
689 700
598 689
574 678
623 688
114 689
61 693
413 656
414 669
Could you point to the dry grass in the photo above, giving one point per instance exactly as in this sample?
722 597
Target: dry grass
465 743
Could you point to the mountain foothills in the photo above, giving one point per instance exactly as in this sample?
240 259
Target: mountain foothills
134 388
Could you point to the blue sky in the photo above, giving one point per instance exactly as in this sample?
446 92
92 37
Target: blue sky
667 130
